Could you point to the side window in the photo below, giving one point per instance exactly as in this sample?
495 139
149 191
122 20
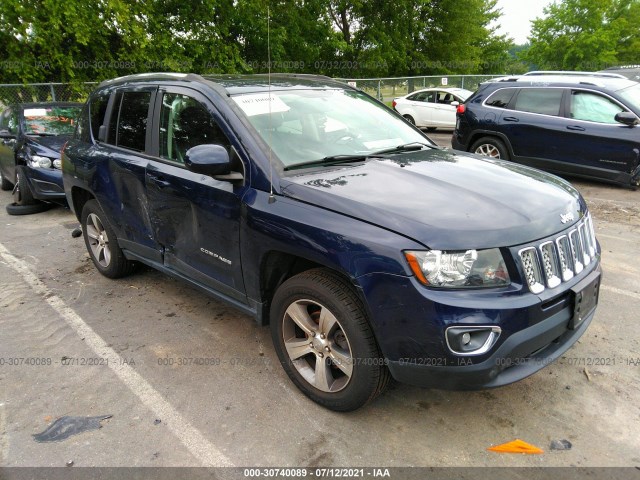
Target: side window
546 101
185 123
128 124
97 109
500 98
593 107
445 97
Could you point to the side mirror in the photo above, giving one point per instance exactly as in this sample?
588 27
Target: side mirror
455 103
6 134
208 160
626 118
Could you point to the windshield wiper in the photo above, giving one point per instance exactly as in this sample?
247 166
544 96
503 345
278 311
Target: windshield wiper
332 160
43 134
338 159
407 147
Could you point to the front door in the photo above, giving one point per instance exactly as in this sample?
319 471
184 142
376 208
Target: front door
195 218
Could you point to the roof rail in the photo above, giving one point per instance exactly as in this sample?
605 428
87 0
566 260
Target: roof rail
573 74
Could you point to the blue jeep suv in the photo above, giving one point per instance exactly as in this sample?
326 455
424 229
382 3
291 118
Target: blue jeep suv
583 125
309 205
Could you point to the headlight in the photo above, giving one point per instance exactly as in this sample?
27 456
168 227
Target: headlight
37 161
468 269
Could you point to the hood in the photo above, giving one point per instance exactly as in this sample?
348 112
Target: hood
443 199
47 146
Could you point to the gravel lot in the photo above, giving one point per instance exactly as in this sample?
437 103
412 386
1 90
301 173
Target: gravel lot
191 382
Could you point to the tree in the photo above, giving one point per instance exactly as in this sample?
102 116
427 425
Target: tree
585 35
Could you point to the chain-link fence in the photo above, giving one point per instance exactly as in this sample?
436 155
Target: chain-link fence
45 92
386 89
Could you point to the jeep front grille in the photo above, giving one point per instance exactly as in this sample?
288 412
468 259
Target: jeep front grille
558 260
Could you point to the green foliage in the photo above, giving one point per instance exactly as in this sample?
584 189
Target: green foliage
585 35
72 41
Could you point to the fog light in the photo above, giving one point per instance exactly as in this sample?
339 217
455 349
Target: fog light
470 340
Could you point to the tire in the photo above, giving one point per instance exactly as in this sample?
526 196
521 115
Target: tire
102 243
316 317
409 119
21 192
4 183
13 209
490 147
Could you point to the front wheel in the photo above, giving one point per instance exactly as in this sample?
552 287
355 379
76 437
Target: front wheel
324 342
102 243
490 147
4 183
21 192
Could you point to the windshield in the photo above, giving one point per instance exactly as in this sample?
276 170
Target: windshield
632 96
50 120
308 125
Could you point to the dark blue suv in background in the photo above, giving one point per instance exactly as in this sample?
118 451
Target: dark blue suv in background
311 206
583 125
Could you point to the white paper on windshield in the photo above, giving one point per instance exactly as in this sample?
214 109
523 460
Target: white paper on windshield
386 143
258 104
35 112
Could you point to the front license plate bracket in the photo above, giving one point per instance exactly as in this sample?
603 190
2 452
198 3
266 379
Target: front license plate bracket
585 299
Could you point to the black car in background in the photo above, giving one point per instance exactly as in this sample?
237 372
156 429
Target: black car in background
31 136
583 125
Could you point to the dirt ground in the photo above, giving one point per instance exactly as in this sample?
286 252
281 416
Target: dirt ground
240 408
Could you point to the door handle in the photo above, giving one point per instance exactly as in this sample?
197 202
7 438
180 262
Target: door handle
511 119
575 128
160 182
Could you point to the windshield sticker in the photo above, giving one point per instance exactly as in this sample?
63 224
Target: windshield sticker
35 112
258 104
386 143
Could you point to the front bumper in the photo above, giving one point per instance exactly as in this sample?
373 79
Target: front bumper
46 184
521 355
410 323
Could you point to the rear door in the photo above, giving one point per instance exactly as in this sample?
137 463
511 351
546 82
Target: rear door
194 217
121 157
422 104
534 125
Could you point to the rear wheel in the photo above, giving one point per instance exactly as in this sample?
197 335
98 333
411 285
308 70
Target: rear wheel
102 243
409 119
21 192
324 342
490 147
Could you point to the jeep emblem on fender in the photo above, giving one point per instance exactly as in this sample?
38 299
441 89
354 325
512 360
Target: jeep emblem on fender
567 217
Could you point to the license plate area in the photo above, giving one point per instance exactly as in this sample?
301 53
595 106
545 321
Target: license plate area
585 299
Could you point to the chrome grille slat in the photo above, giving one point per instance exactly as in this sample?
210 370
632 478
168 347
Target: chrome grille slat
558 260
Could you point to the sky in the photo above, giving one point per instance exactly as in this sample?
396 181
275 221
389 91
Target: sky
517 15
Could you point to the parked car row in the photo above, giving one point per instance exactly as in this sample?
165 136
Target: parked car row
371 252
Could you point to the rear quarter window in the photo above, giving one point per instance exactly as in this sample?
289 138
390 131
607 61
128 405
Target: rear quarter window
500 98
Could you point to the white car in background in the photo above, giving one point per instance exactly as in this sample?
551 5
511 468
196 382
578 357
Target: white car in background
431 108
